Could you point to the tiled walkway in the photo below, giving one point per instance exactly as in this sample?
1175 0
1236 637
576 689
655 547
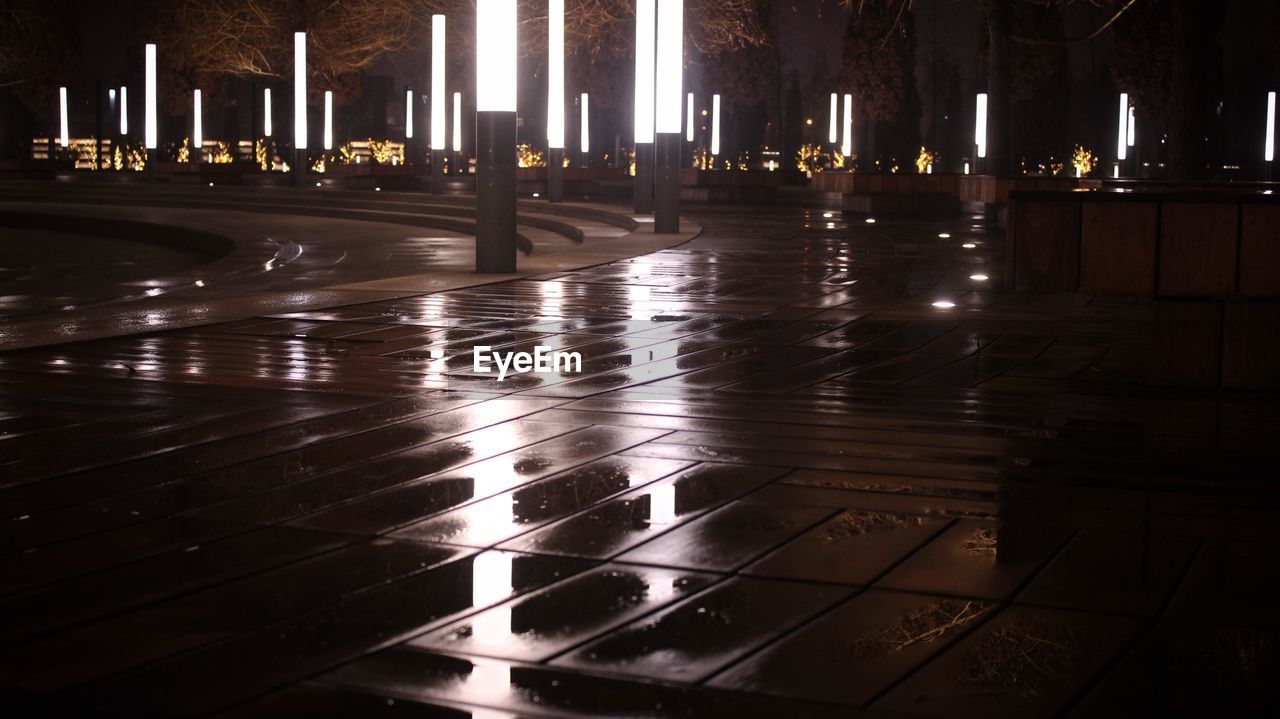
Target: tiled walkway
785 485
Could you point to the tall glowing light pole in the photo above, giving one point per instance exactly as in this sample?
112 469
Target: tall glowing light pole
715 127
408 124
495 135
455 167
668 114
64 134
646 19
584 127
150 131
299 109
266 112
1269 143
439 98
833 128
688 128
124 111
846 144
1122 132
980 128
196 152
555 100
328 120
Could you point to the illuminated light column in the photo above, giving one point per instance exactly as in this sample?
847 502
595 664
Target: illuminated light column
646 30
64 136
1122 128
715 127
980 126
150 131
266 112
833 133
196 152
846 144
299 109
408 115
456 165
496 135
1269 143
555 100
124 111
328 120
585 127
668 115
439 108
688 120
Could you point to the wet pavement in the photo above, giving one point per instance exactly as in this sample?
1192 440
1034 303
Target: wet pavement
813 466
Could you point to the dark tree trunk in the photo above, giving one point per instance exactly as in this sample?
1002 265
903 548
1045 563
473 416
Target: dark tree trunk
999 87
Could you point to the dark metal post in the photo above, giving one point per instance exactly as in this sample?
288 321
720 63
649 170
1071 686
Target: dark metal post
437 172
299 168
555 174
666 209
643 181
495 191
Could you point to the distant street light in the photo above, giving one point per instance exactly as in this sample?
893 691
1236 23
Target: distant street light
328 120
496 45
266 112
1269 146
833 133
715 126
1122 128
669 78
150 133
586 127
846 146
439 111
980 126
408 114
124 110
454 168
299 108
646 31
555 100
688 121
64 135
196 152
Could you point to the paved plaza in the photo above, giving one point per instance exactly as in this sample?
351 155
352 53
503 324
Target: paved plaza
814 465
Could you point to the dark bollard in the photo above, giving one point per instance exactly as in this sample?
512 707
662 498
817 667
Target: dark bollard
666 212
555 174
495 191
299 168
437 172
643 181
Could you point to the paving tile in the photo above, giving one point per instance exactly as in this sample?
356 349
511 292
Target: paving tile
727 538
612 527
853 547
536 627
701 635
1023 662
559 693
859 650
979 559
504 516
275 655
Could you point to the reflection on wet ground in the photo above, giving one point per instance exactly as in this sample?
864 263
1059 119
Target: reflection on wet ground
787 484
